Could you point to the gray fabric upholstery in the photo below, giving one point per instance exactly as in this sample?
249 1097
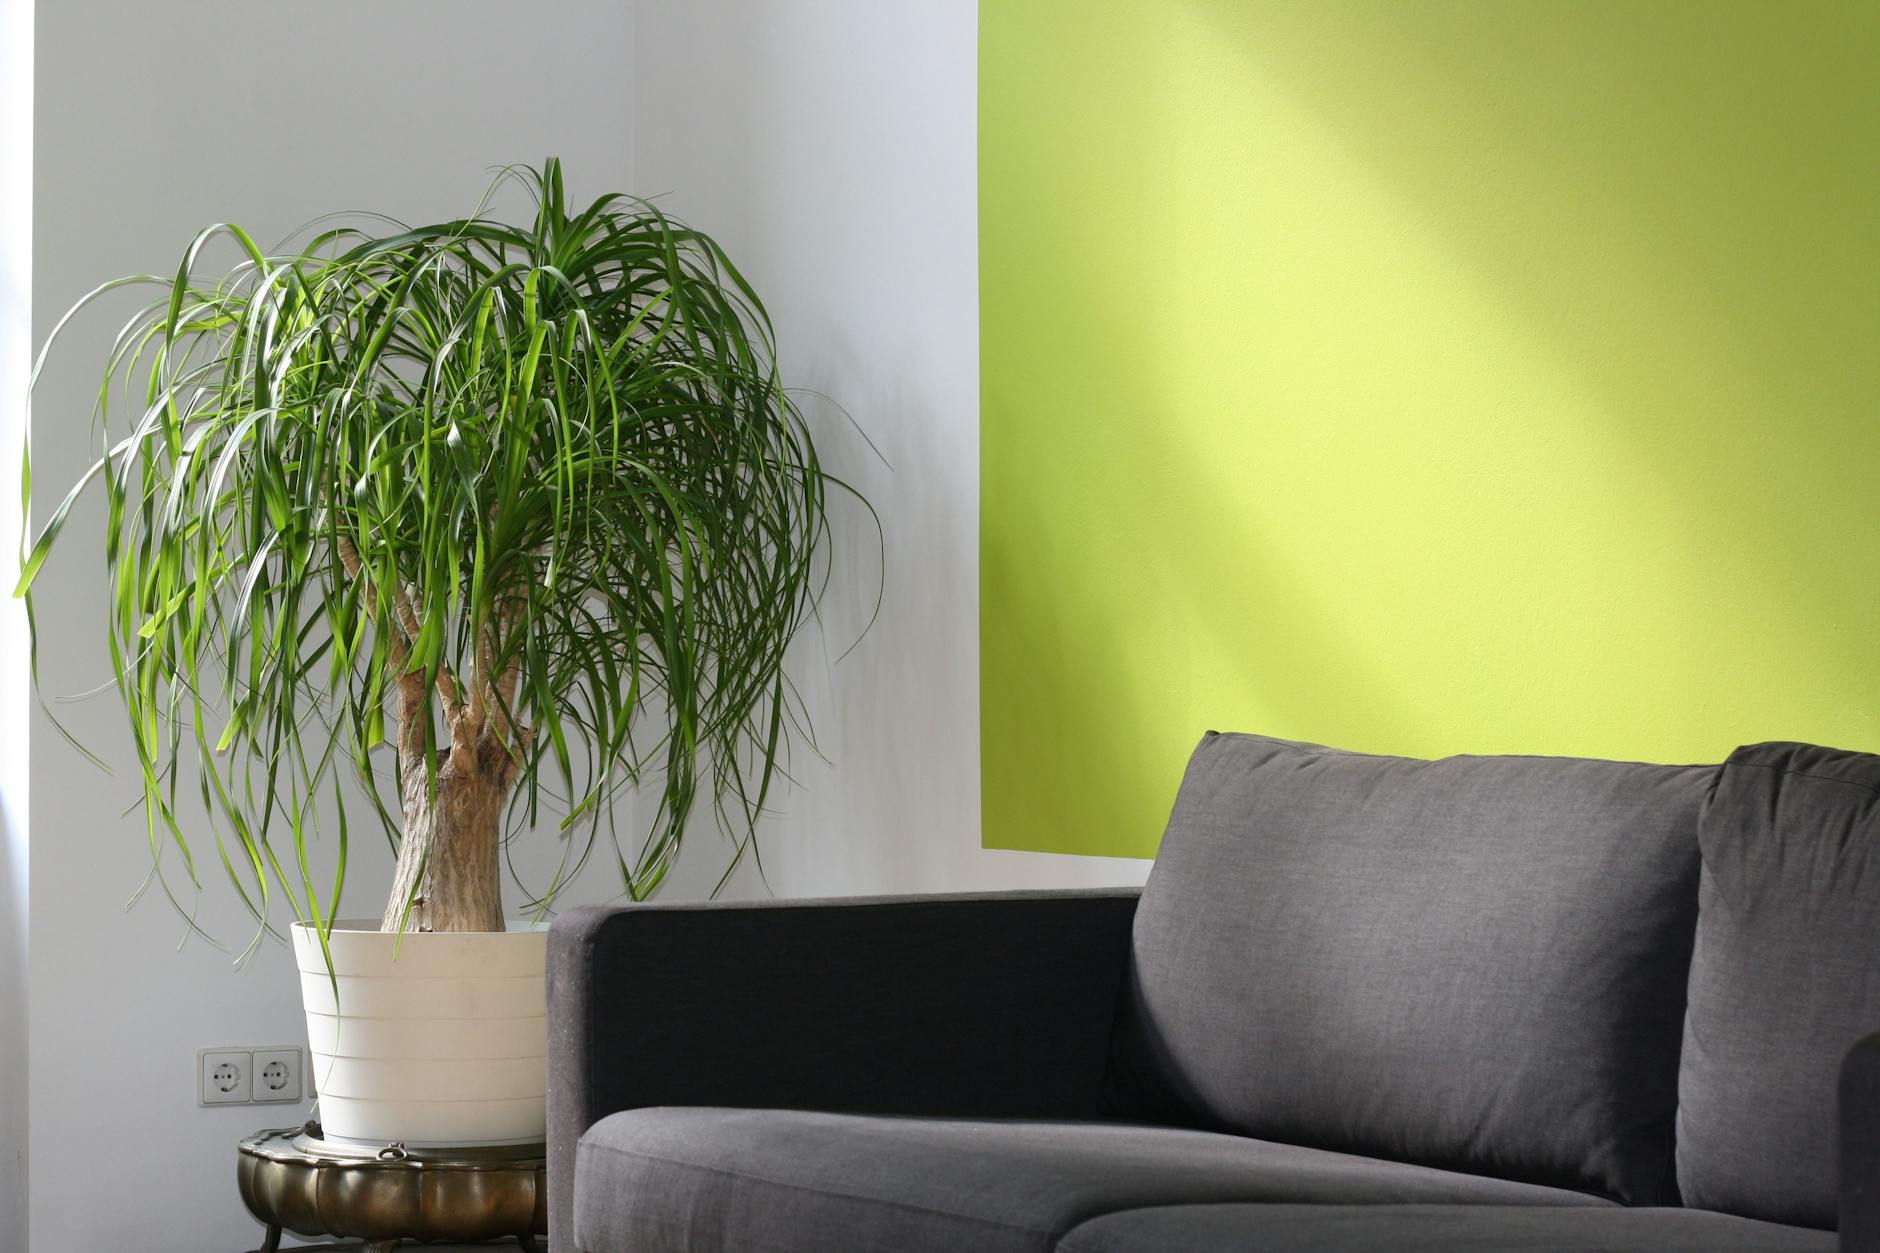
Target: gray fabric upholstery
692 1180
1476 963
1433 1229
1784 980
990 1005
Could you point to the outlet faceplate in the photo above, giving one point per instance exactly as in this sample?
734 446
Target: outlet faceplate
276 1075
268 1075
223 1076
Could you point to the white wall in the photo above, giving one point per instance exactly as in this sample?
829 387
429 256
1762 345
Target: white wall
16 158
153 120
831 146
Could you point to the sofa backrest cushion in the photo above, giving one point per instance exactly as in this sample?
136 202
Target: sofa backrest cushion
1476 963
1784 980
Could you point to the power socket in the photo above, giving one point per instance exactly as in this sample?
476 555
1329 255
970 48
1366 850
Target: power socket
242 1076
224 1076
277 1075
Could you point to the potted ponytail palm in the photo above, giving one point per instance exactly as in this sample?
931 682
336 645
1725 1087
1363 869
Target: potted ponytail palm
511 517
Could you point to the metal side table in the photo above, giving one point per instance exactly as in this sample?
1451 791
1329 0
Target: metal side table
292 1179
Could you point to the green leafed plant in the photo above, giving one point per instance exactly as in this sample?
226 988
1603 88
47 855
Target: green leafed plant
504 507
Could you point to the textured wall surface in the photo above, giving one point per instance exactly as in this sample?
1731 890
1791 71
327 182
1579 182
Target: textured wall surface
830 145
1423 378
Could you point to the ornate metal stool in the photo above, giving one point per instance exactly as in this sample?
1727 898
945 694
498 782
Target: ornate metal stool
291 1178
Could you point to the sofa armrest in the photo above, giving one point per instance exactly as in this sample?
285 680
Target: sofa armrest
1860 1148
976 1005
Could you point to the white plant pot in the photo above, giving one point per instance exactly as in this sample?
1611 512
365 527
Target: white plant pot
444 1044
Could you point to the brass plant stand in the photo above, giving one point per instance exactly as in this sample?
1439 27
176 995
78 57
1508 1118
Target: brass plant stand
292 1179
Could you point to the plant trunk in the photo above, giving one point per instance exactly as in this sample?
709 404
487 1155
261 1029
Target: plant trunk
459 885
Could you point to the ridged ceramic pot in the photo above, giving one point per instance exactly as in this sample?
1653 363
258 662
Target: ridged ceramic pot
435 1039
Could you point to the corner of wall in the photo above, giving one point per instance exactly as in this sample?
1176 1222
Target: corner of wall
16 208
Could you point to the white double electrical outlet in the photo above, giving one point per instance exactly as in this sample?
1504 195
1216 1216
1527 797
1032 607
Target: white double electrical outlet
244 1076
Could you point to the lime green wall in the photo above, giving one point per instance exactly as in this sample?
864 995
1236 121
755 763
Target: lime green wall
1420 378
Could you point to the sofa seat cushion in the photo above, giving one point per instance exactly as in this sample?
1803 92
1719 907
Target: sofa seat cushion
1476 963
702 1179
1433 1229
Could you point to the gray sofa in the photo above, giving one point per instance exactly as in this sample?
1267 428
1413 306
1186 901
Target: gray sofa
1362 1003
